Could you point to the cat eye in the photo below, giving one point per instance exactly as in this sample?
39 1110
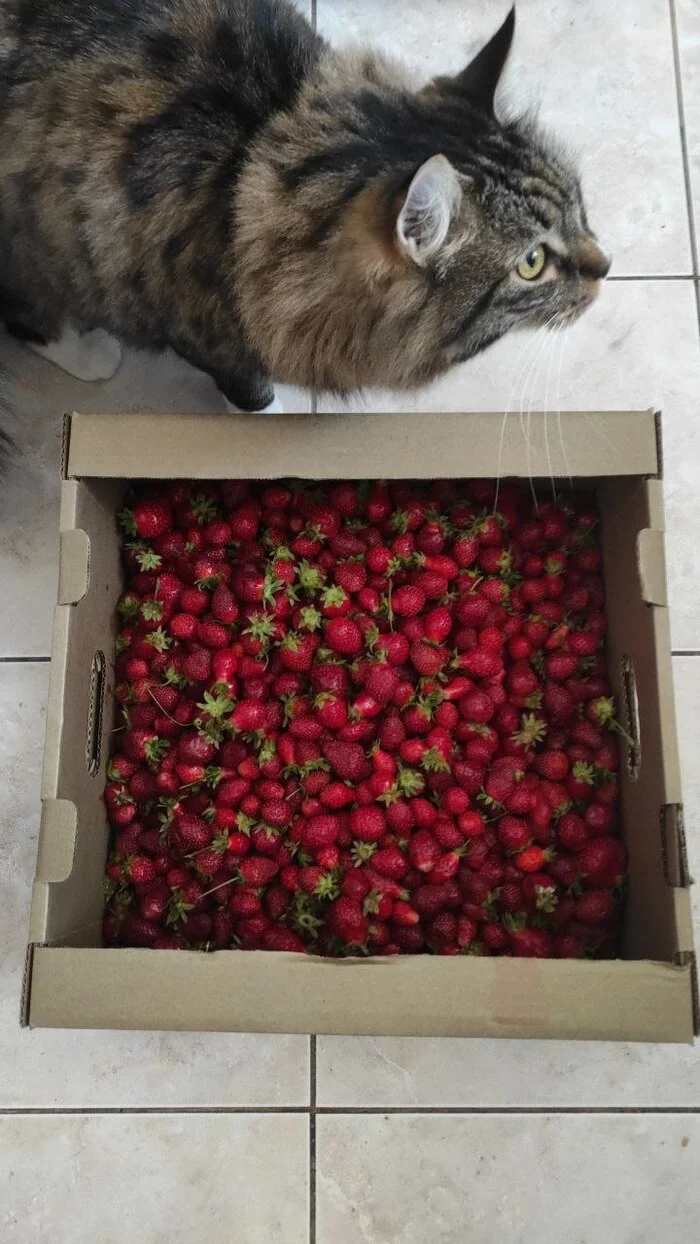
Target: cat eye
533 264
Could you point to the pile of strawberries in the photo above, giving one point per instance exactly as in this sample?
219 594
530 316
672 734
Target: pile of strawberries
363 718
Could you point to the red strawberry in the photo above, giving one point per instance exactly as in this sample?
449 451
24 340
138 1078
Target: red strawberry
147 519
514 833
595 907
390 862
407 601
224 606
442 929
343 636
350 576
381 681
532 859
258 870
191 833
423 851
531 943
297 651
367 824
553 765
141 870
404 914
346 758
196 665
135 931
603 862
281 938
320 831
345 918
427 659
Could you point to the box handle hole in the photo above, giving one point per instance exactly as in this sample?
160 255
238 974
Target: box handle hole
631 718
93 742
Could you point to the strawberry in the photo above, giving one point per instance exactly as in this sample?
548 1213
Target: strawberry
572 832
513 833
346 919
407 602
531 943
404 914
190 833
423 851
135 931
427 658
148 519
350 576
595 907
367 824
343 636
141 870
346 758
603 862
257 870
320 831
297 651
283 939
532 859
553 765
224 606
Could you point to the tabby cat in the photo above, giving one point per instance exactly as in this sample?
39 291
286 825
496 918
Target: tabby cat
210 176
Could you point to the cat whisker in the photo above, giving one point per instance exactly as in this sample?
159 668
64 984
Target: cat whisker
530 384
564 340
501 441
545 409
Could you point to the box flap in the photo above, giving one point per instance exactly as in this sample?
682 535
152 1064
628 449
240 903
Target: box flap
652 566
360 446
415 995
74 567
57 839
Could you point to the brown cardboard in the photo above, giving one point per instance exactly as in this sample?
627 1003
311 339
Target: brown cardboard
73 982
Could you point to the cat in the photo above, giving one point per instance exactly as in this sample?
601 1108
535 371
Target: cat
210 176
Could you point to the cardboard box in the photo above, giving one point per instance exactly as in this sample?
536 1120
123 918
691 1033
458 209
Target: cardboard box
648 995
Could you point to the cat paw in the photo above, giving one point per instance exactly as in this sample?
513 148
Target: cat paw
87 356
275 408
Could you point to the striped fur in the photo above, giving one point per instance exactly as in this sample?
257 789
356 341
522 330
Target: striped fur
208 175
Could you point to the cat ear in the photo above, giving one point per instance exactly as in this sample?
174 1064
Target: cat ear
431 202
481 76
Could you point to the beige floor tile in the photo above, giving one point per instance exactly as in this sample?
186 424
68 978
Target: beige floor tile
396 1071
154 1179
53 1068
488 1179
601 76
688 21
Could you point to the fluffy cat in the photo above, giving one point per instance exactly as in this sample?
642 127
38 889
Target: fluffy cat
210 176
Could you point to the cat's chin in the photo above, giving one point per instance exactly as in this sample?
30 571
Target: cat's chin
275 408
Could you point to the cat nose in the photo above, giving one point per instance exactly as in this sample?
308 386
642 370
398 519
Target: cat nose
593 261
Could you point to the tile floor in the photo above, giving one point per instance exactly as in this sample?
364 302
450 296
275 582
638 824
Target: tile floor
154 1137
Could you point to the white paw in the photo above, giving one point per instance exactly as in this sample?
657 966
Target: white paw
275 408
88 356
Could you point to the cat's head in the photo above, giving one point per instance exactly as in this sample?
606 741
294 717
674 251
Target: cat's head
397 232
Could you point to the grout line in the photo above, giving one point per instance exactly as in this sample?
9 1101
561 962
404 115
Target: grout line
535 1111
314 14
657 276
24 660
312 1139
685 652
109 1110
684 147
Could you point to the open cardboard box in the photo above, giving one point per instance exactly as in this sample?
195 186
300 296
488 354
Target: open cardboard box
648 995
